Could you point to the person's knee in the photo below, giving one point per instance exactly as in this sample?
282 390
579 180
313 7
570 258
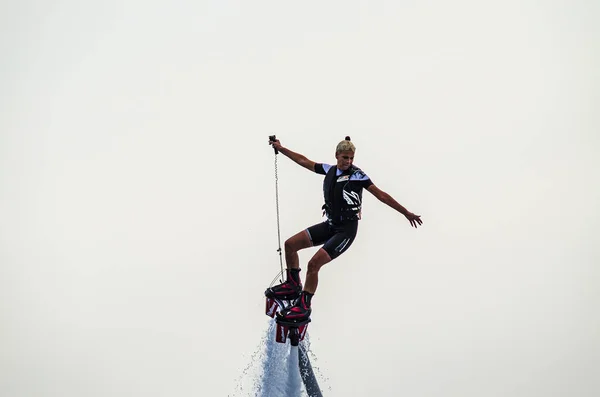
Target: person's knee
313 266
296 243
317 261
289 246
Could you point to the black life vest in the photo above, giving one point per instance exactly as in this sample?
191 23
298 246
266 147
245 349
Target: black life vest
343 199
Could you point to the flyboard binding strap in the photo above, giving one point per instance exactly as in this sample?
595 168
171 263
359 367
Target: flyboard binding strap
294 330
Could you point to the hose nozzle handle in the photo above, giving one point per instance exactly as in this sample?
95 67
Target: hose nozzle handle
273 139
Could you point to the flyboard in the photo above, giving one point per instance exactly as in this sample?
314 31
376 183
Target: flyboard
294 330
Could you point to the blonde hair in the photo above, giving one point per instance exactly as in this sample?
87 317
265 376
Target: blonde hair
345 145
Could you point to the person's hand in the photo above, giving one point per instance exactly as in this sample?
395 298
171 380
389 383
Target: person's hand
276 144
414 220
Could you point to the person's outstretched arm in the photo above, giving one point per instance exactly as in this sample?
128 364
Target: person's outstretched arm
296 157
382 196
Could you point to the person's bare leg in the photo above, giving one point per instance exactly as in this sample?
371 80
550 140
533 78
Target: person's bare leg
320 258
294 244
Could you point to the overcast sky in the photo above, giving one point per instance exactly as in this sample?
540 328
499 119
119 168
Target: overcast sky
137 206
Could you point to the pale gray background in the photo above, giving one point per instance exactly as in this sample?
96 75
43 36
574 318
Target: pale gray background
137 205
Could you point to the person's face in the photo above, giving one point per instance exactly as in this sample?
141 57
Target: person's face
344 159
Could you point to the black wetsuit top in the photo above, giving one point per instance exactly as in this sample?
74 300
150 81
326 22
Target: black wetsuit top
342 191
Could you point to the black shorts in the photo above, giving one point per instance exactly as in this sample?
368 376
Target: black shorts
336 238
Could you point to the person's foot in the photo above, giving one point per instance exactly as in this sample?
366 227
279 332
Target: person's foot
299 311
289 290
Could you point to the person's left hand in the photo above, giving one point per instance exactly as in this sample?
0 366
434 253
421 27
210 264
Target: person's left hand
414 220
